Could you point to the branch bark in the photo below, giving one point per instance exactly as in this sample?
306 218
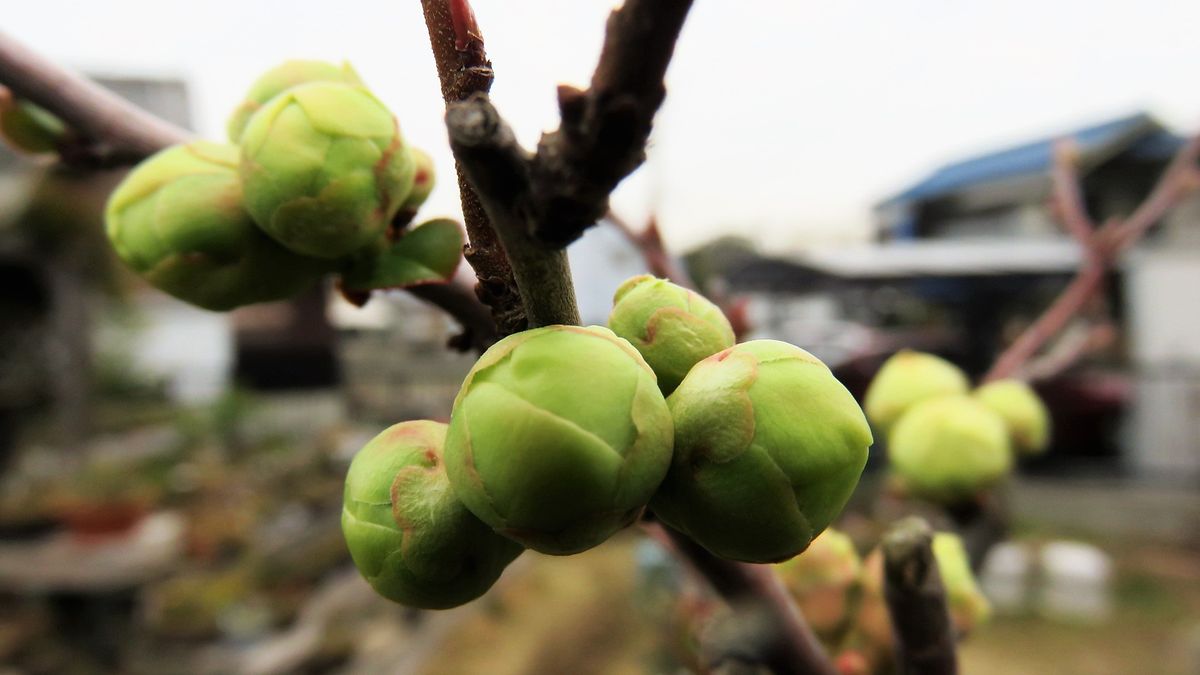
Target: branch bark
110 130
464 69
786 645
916 601
497 167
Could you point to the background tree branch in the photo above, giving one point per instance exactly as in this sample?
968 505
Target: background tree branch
108 130
1101 245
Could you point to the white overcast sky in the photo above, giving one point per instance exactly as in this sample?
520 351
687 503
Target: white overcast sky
785 119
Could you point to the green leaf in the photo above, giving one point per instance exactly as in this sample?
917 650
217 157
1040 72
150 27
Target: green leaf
426 254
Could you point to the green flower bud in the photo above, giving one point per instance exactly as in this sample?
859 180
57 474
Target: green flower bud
822 580
559 437
423 180
278 80
409 536
29 127
969 607
325 168
177 220
671 326
906 378
949 448
1022 410
768 447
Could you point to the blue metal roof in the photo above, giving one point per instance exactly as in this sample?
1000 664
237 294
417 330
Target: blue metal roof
1036 157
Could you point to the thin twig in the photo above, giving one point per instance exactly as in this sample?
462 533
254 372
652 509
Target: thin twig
463 69
916 601
1179 180
457 298
649 241
1072 347
109 130
789 647
604 129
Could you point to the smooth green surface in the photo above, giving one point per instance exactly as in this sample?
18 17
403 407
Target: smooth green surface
426 254
424 178
325 168
278 80
968 605
907 378
558 437
177 220
409 536
671 326
949 448
1022 409
768 447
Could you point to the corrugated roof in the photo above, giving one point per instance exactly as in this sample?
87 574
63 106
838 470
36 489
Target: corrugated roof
1098 141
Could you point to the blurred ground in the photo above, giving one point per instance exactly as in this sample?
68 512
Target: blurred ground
206 541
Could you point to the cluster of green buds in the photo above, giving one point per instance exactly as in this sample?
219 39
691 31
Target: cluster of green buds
947 443
177 220
315 173
560 436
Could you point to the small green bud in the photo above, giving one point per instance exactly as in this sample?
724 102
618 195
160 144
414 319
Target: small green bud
1022 410
423 179
822 580
768 447
949 448
409 536
671 326
906 378
969 607
325 168
29 127
177 220
278 80
559 437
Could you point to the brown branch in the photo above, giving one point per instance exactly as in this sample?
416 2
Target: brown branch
916 601
1067 201
458 299
497 167
787 644
604 130
1072 347
463 69
1179 180
649 241
108 129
